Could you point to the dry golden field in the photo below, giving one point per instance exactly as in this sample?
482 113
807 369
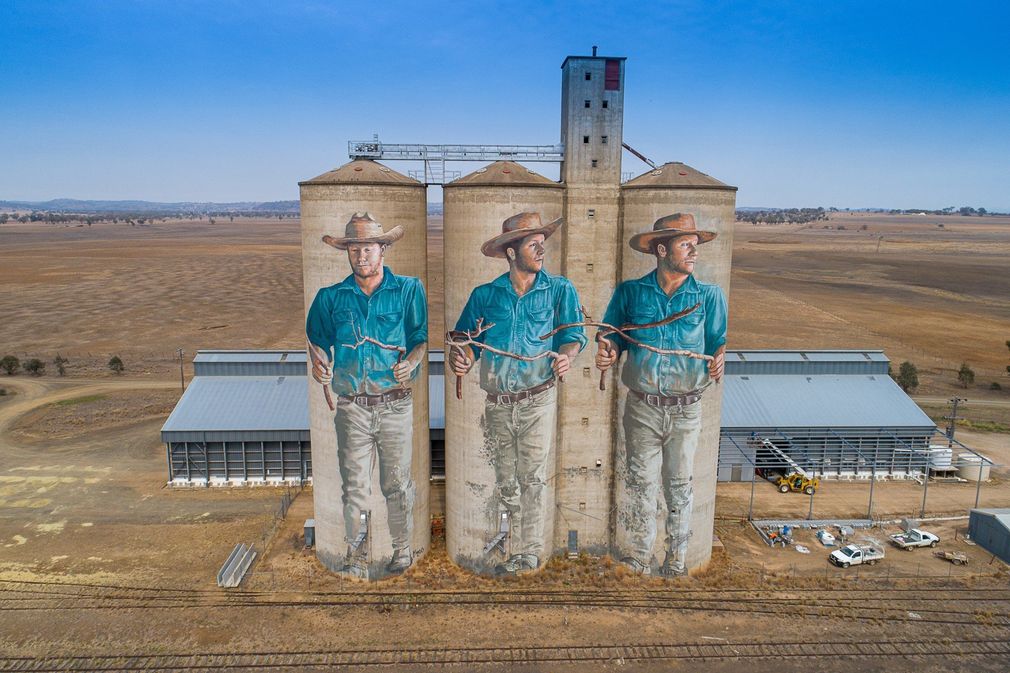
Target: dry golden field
935 296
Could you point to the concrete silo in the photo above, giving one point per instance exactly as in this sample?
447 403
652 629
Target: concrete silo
328 202
669 189
478 537
592 127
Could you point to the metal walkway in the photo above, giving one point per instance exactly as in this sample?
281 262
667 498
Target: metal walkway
435 156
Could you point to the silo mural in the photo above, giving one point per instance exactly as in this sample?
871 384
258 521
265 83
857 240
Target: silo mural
363 231
676 233
501 412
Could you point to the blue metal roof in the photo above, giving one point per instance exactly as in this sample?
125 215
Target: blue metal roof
1000 514
250 356
770 355
829 401
246 403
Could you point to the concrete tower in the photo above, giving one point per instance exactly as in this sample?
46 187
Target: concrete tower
592 123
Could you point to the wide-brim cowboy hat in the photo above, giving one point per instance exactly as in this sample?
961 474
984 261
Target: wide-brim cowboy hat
517 228
670 226
361 228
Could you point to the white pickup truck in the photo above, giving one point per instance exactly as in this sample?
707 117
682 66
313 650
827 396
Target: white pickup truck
915 538
855 554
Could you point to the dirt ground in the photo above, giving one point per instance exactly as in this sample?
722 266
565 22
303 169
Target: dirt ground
82 471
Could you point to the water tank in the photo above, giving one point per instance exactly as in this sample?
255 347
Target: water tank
327 204
669 189
475 206
968 465
941 457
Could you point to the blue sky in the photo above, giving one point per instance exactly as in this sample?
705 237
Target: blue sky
847 104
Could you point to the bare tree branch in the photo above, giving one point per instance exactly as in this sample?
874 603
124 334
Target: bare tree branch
460 338
606 329
362 339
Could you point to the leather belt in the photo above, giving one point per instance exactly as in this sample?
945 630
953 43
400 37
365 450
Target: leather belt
373 400
668 400
512 398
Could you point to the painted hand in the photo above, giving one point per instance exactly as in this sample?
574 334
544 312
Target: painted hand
322 372
718 365
459 362
562 363
605 355
403 370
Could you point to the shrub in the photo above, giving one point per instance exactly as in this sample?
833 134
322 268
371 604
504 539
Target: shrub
10 364
966 375
61 364
35 367
908 376
995 386
116 364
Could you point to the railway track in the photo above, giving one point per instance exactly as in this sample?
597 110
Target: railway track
989 648
941 606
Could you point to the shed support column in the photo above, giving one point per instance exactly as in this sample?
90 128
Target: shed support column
245 463
873 480
978 485
750 509
168 451
189 469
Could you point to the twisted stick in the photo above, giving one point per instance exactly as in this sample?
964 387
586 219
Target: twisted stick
361 339
460 338
606 329
313 353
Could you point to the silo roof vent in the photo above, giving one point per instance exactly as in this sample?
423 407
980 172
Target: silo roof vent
362 172
677 175
503 173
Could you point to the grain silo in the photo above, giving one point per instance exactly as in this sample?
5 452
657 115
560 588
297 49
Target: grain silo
354 521
480 508
675 188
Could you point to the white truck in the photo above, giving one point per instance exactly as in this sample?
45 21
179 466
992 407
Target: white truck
856 554
914 538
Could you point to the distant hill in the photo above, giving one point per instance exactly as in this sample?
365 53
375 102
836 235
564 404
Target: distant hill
155 207
81 206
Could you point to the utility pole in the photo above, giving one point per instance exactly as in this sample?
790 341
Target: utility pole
182 381
953 418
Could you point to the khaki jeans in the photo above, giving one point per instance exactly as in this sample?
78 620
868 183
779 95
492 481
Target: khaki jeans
385 431
661 443
520 436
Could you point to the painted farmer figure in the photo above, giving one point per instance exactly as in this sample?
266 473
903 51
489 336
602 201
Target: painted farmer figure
521 409
374 418
662 415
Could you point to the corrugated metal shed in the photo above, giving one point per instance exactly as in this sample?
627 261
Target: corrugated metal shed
224 408
823 401
250 363
990 529
436 390
806 362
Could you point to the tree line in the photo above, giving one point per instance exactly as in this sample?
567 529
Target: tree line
11 365
59 217
782 215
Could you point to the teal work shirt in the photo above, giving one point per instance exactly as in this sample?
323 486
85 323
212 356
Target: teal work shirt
396 313
518 324
643 301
